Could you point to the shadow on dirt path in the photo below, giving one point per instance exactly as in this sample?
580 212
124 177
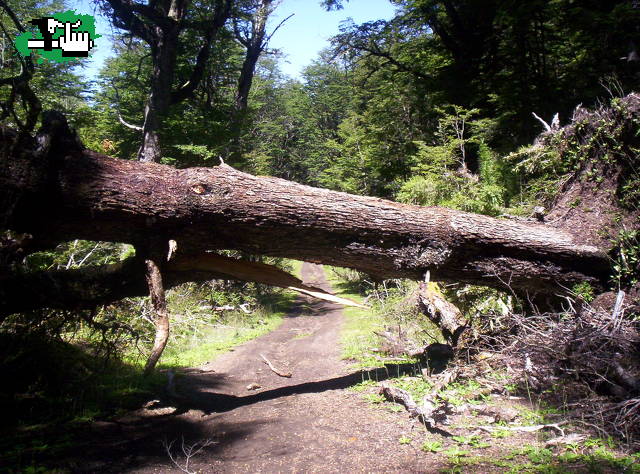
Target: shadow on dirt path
309 422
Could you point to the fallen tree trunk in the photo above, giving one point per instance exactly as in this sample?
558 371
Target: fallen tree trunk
57 191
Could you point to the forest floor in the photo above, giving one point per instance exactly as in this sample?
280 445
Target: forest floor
235 414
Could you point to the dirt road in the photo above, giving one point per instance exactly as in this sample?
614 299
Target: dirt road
309 422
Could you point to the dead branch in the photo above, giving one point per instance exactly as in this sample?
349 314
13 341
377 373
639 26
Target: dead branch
189 451
273 369
442 313
433 411
161 314
121 119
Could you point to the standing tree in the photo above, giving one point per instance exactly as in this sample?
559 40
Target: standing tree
161 24
250 28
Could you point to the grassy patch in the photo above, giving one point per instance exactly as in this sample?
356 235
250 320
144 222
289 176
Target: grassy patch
357 337
296 267
431 446
216 339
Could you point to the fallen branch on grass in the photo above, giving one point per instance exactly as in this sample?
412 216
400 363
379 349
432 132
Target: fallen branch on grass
229 307
273 369
430 414
525 429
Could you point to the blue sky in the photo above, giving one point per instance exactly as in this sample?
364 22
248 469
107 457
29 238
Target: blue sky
305 34
301 38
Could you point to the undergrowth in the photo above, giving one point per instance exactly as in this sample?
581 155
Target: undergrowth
546 363
76 368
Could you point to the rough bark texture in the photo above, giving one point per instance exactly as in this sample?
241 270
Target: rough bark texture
90 286
254 44
160 316
441 313
90 196
160 26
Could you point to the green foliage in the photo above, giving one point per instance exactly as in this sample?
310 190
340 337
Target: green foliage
441 173
584 290
585 458
626 257
78 253
473 441
591 144
431 446
374 398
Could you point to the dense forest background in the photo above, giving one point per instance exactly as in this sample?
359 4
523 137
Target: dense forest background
437 106
422 108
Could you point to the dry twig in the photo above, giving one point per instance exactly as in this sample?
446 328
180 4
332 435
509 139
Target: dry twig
189 451
273 369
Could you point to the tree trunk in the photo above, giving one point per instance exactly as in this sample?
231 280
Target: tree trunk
164 59
254 45
82 194
246 77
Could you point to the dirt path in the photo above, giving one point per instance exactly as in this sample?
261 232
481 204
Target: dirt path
307 423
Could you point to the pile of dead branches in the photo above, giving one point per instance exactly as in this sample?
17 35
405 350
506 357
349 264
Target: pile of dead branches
588 359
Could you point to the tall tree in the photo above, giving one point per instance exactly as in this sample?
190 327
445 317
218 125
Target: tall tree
161 24
250 28
507 58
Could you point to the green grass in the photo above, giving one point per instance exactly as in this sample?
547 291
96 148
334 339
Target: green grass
357 337
431 446
296 268
530 459
214 341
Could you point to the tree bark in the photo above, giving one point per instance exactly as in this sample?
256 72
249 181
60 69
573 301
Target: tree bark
442 313
86 195
254 44
91 286
161 315
160 27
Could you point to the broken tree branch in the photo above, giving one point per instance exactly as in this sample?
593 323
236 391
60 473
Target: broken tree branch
442 313
273 369
91 286
431 413
161 314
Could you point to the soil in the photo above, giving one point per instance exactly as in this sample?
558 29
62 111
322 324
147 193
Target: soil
253 420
